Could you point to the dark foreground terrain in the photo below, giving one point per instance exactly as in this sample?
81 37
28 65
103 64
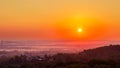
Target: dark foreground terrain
102 57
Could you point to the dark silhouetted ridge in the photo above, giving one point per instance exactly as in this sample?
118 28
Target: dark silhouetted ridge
104 53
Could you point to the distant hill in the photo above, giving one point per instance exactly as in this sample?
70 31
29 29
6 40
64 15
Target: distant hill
111 52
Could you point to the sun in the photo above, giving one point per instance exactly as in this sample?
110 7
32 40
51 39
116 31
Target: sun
79 30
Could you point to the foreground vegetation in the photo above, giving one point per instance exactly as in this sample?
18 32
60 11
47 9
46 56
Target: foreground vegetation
57 61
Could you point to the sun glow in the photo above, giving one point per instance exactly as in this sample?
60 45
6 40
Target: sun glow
80 30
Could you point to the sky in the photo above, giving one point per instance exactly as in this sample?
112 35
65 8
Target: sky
60 19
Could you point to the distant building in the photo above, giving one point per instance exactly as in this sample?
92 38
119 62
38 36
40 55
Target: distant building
1 43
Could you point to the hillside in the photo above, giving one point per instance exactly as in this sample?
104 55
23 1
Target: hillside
104 53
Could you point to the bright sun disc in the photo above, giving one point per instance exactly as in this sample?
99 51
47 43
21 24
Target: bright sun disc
80 30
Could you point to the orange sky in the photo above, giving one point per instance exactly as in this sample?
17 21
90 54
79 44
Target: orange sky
60 19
